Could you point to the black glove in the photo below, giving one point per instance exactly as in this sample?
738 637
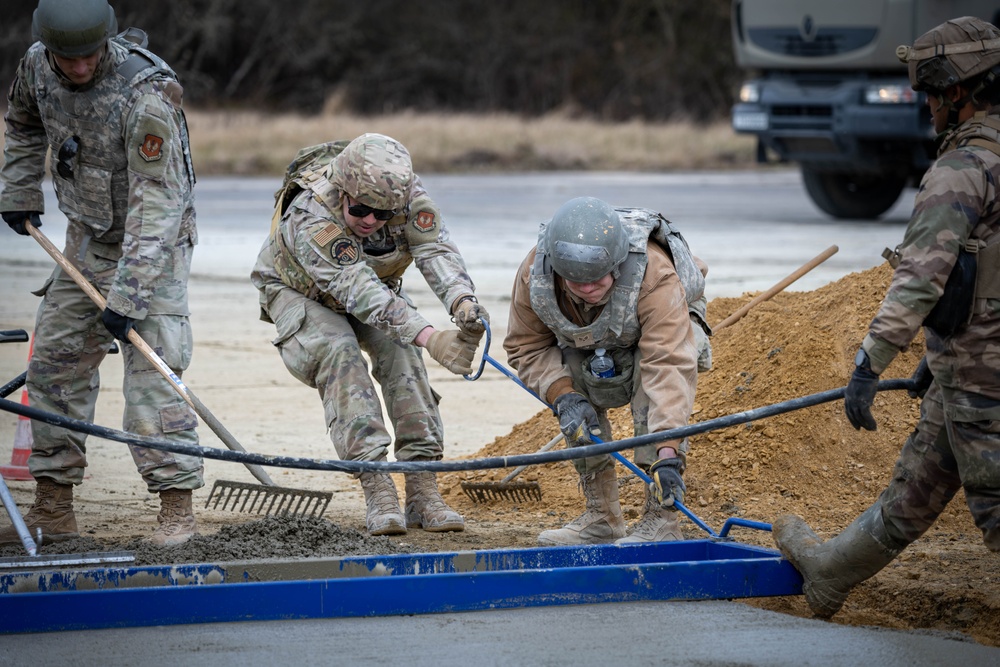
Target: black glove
577 419
667 485
16 220
922 378
118 325
860 393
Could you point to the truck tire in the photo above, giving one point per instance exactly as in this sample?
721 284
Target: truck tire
853 196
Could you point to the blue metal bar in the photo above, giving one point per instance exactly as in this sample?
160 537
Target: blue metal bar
398 584
746 523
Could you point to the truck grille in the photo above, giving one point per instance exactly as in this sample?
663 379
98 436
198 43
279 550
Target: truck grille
826 41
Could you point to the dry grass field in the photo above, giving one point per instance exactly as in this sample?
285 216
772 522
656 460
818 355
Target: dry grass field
251 143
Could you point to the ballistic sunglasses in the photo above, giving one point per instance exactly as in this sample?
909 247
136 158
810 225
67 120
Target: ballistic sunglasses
362 211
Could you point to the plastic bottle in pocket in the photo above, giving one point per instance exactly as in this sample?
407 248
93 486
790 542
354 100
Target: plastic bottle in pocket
601 365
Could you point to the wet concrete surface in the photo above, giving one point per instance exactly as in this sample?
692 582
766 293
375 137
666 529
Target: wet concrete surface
638 633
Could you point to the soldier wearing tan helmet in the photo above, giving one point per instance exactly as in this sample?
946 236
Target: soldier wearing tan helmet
946 282
350 218
108 112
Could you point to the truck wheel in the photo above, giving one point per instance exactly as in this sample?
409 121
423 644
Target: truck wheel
858 196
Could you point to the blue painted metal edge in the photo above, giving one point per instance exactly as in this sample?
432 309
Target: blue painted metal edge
223 598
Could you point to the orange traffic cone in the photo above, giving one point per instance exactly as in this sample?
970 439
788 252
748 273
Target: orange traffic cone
18 468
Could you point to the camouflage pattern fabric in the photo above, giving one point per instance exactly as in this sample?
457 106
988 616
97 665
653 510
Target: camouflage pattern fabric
333 294
127 191
956 441
955 444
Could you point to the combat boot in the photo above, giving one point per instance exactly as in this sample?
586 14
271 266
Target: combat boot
656 525
382 515
831 569
52 513
425 508
176 519
602 520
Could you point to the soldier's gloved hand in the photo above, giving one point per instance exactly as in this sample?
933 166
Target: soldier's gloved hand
470 315
577 419
922 379
453 349
860 394
16 220
667 486
118 325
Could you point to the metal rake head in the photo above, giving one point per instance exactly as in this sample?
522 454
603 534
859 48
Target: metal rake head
484 492
267 500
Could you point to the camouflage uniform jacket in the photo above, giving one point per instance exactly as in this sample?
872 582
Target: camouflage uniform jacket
313 251
666 342
131 182
957 201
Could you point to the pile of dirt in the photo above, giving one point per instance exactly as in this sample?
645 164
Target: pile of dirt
810 462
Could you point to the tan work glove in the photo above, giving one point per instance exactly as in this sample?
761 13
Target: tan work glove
453 349
469 316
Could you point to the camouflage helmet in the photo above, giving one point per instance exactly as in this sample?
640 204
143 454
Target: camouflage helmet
73 28
953 52
585 240
375 170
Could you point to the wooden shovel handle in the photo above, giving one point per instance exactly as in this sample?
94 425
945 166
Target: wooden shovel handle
791 278
150 354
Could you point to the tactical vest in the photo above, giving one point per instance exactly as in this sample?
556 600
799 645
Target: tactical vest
618 324
97 195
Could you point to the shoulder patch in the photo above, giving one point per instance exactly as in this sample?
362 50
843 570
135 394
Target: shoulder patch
345 251
151 147
424 222
327 234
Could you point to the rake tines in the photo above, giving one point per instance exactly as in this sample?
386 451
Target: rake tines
267 500
484 492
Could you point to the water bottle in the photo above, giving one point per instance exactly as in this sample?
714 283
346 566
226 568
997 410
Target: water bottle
602 366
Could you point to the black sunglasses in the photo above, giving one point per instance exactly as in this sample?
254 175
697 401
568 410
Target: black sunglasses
362 211
67 153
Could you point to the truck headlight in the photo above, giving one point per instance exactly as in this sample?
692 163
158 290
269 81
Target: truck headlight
890 93
749 93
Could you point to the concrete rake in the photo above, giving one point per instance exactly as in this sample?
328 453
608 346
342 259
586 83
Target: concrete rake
267 500
506 488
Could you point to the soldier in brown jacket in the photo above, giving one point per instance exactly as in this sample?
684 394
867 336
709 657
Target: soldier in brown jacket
595 289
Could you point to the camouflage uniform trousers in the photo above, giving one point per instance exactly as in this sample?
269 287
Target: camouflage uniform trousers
955 444
63 375
643 456
323 349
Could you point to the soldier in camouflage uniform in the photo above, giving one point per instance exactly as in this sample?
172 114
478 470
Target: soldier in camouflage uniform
601 277
110 111
956 217
330 278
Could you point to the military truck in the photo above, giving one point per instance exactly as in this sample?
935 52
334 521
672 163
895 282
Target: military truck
830 94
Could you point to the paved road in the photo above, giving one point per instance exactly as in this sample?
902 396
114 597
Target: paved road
753 229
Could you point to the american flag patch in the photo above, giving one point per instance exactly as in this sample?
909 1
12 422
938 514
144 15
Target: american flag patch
327 234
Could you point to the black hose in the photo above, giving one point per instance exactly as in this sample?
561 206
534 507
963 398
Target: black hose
440 466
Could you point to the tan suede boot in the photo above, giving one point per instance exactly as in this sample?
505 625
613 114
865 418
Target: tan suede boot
656 525
176 518
425 508
602 521
52 513
831 569
382 515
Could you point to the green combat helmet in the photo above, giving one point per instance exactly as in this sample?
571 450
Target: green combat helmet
585 240
376 171
953 52
73 28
